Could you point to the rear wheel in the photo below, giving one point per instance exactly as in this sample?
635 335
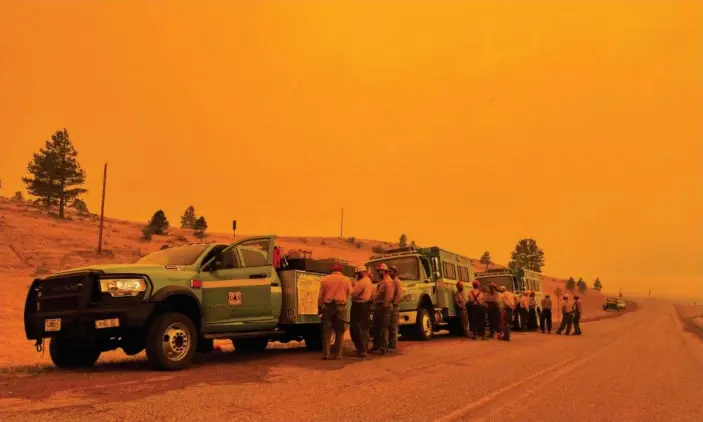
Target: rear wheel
313 341
73 353
424 329
171 342
250 345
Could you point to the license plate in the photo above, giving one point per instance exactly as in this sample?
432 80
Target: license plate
107 323
52 325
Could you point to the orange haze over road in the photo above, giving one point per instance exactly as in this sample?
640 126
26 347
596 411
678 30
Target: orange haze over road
463 124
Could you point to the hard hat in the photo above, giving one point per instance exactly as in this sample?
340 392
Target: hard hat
382 267
493 285
459 284
547 295
475 283
337 267
360 269
576 296
566 296
393 268
502 288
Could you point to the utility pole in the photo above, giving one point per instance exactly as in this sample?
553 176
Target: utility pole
341 226
102 212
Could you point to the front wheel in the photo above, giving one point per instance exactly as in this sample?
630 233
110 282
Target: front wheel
424 329
171 342
73 353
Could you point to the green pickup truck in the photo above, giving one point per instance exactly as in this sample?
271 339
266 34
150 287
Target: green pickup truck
173 302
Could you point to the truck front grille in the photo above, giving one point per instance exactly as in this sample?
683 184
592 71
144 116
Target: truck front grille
61 293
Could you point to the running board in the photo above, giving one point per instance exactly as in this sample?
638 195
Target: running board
239 334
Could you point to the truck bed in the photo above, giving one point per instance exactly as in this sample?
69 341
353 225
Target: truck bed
300 290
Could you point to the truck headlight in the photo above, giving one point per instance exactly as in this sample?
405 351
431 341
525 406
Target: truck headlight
408 298
122 287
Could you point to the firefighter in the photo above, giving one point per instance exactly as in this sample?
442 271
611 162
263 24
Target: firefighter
545 320
507 302
361 306
460 305
477 306
524 310
395 311
576 307
335 290
566 316
532 313
492 310
382 309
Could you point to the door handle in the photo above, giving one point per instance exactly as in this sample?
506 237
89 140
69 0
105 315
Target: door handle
274 283
257 276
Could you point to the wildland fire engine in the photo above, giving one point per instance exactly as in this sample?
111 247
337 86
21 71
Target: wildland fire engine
429 277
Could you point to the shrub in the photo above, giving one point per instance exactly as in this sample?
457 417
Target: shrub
146 233
18 196
351 239
377 249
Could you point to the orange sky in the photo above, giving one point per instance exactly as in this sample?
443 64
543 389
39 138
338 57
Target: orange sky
464 124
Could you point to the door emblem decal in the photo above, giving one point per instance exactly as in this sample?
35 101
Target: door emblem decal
234 298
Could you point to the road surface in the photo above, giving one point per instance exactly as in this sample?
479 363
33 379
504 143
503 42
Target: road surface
640 366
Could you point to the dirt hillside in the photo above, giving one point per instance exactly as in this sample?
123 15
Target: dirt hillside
34 242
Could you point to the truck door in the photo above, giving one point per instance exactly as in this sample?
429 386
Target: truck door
237 292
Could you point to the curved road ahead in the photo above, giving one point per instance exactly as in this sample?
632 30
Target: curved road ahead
640 366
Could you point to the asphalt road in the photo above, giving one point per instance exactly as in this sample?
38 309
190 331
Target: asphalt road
640 366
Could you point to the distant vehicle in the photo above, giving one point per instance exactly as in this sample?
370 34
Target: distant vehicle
621 304
176 300
611 303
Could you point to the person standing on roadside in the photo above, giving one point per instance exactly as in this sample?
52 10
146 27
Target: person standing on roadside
524 310
361 306
532 322
507 302
382 309
576 307
395 312
546 314
335 290
492 310
477 304
460 305
566 316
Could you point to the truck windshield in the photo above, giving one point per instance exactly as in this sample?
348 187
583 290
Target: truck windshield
179 255
408 267
502 280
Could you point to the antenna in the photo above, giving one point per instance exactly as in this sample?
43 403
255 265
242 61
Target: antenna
102 212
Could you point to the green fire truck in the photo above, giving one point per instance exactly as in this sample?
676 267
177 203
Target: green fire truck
176 300
429 277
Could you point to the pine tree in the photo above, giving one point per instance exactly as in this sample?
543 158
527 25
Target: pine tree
55 175
486 259
581 285
571 284
158 223
18 196
403 241
597 285
413 244
200 226
527 255
188 219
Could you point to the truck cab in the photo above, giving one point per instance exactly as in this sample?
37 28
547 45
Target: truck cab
429 277
174 301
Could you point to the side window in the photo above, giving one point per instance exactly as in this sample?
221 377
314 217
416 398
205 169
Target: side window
463 274
426 266
449 270
253 253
